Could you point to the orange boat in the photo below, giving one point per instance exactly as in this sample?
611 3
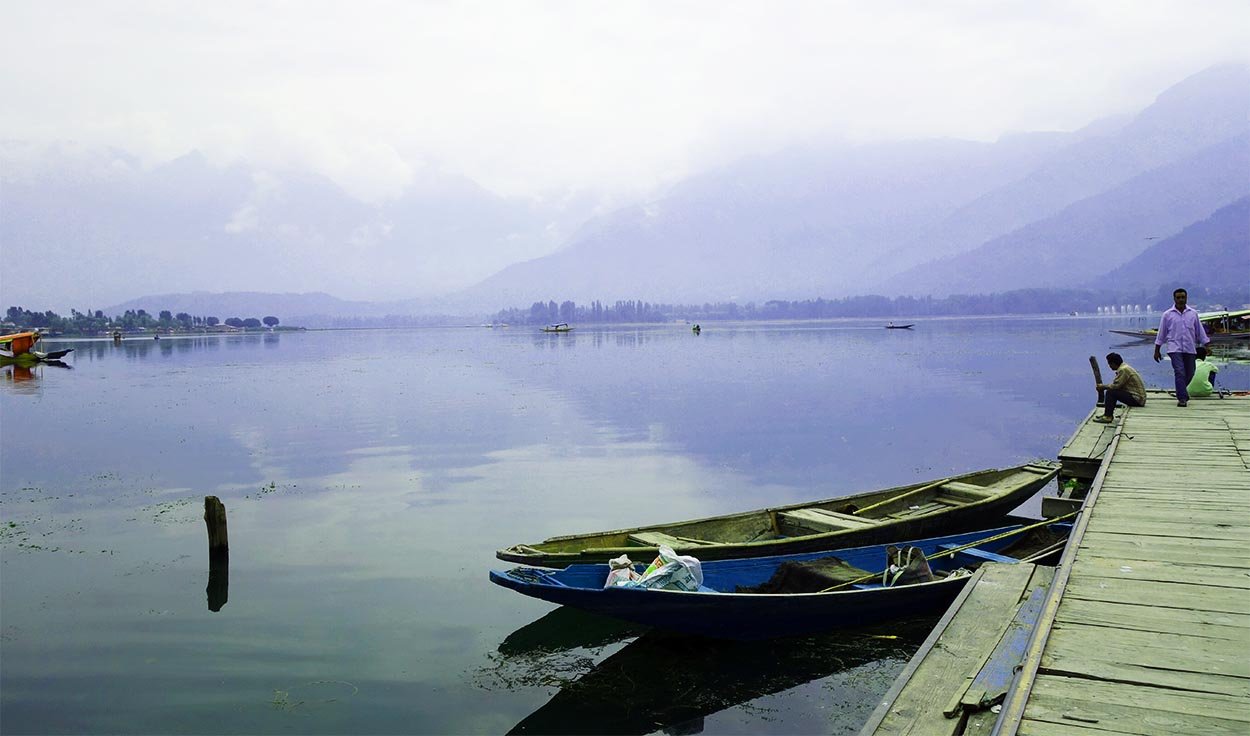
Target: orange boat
17 344
20 346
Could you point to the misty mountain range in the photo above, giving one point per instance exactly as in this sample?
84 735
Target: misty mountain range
1132 202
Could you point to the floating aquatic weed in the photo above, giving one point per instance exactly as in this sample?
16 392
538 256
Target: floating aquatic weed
304 697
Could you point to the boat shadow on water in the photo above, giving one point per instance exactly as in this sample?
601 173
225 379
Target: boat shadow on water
670 682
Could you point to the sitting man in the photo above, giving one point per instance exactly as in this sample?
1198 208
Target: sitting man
1203 383
1127 388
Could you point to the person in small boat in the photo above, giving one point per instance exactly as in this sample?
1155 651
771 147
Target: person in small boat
1203 382
1126 388
1180 334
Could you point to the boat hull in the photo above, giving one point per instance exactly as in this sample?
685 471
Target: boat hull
733 533
754 616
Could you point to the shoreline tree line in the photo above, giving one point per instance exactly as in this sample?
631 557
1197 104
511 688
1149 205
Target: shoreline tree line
1020 301
95 322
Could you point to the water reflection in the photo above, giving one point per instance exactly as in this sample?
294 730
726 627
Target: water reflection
1228 353
24 378
564 629
669 682
218 589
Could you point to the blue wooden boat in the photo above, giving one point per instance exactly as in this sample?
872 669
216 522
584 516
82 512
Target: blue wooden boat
718 610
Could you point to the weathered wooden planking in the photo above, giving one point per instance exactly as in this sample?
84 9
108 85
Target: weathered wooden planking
1209 576
994 678
1221 552
1070 728
1162 595
1107 523
1148 658
1196 516
950 663
1134 710
1227 560
1234 627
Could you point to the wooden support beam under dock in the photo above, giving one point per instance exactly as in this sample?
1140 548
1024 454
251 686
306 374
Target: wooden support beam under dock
1146 626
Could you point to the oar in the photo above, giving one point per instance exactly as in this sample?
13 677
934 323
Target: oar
900 496
956 550
1093 363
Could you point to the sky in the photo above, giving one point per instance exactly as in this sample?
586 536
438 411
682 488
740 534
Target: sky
572 106
542 98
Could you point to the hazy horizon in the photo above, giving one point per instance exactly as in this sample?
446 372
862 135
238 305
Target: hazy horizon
561 111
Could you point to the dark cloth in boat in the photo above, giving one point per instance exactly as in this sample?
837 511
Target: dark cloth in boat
809 577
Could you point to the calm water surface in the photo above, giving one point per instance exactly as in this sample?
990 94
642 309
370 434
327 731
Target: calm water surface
370 475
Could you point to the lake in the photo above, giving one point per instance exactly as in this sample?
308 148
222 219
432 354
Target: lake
369 476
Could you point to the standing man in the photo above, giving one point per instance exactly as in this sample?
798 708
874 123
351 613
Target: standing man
1181 331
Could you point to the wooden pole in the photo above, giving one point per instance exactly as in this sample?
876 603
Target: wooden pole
215 519
1093 363
218 589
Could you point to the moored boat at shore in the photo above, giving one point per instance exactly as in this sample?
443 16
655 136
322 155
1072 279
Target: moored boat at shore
947 505
1219 326
19 347
789 595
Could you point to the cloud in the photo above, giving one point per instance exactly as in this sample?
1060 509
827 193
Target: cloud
530 97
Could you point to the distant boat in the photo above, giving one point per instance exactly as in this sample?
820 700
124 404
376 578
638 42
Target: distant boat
945 505
561 327
893 326
791 595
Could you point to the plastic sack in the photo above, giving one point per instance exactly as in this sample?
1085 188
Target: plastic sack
621 573
905 566
671 571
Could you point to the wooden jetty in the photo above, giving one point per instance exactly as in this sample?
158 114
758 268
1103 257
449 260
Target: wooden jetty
1145 628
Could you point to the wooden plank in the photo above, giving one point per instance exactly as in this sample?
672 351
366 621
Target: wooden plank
1163 595
1135 710
1169 529
1069 728
1218 553
1147 658
1234 627
949 666
992 681
1210 576
886 706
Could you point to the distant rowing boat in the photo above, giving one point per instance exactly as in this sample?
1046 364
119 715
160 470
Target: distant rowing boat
947 505
893 326
561 327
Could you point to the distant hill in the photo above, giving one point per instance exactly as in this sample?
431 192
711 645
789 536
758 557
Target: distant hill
1087 237
97 220
1212 254
924 217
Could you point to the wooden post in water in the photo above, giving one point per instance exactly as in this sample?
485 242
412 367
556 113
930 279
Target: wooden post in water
218 553
215 519
1093 363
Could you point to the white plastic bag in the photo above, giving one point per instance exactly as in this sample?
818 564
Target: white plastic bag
671 571
622 572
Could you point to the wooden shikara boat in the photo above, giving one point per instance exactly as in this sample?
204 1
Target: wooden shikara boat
19 347
955 504
1221 327
561 327
719 610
